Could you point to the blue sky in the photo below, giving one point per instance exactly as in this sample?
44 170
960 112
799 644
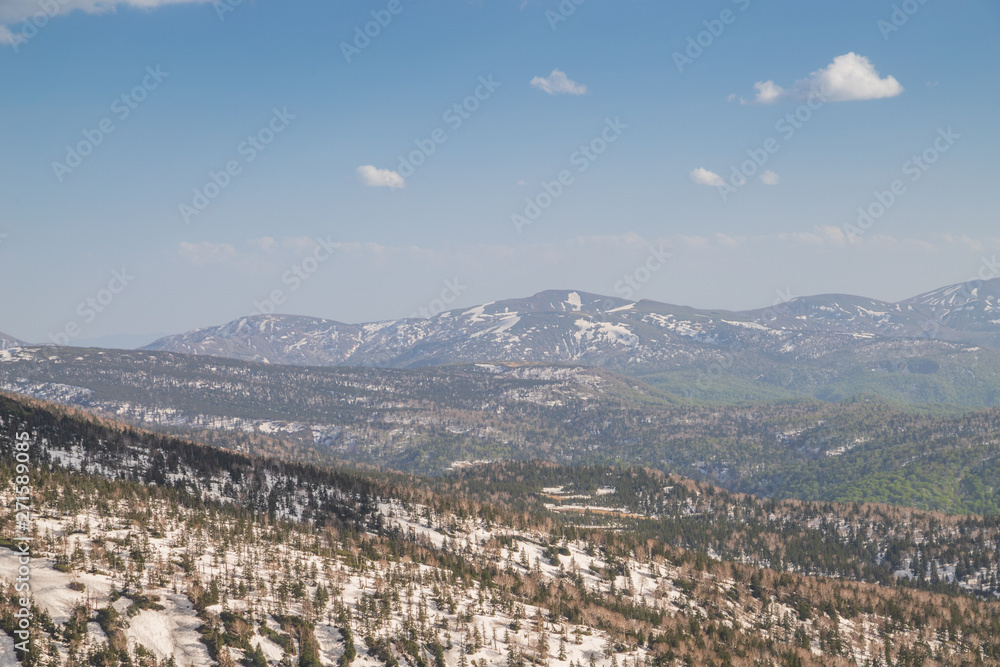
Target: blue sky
227 82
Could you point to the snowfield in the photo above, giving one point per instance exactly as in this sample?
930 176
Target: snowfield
170 633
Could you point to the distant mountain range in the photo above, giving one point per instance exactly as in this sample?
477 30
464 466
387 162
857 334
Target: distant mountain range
578 327
942 347
9 342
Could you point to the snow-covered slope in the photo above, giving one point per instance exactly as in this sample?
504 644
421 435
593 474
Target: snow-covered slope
9 342
565 326
301 341
969 307
151 551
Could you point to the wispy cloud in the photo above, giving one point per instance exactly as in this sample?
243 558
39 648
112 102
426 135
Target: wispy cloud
831 235
380 178
9 38
204 253
264 243
558 83
13 13
256 255
770 178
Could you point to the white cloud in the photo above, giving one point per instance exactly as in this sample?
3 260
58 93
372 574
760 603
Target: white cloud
693 241
832 234
973 244
298 245
727 240
768 92
770 178
255 255
849 77
605 240
14 13
380 178
703 176
264 243
923 245
557 83
205 252
821 235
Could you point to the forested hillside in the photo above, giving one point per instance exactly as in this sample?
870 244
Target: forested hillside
153 550
428 420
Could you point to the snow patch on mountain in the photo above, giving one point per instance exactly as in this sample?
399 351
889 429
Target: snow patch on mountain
748 325
573 300
604 332
477 314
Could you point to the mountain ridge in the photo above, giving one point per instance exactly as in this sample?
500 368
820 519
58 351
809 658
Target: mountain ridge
9 342
568 326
